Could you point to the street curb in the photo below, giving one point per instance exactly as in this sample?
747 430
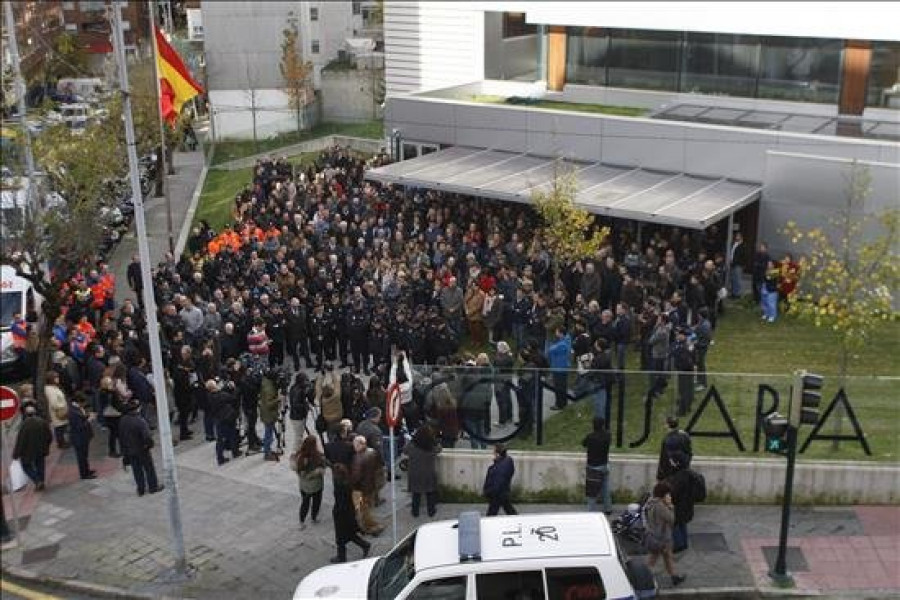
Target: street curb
192 209
75 585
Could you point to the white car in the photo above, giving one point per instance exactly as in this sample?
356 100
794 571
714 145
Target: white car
533 556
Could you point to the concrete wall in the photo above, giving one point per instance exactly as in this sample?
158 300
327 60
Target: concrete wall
233 110
348 96
812 189
315 145
507 58
758 480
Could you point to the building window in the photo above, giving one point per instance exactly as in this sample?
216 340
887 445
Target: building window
72 27
586 55
800 69
715 63
313 13
514 25
357 7
92 5
643 59
884 74
68 6
315 46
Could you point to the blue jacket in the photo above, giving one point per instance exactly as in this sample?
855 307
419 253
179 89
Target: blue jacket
498 481
559 352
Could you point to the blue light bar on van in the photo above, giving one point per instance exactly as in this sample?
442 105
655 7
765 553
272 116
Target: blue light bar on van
469 536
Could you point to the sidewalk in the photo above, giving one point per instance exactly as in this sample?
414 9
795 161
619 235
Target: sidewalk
188 168
243 539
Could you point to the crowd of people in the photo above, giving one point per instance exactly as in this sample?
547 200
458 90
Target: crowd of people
327 291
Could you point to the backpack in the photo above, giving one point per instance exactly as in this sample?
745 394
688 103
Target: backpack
698 486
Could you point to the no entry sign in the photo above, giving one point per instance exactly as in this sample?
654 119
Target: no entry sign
392 406
9 403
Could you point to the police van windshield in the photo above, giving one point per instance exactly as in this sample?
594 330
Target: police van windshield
394 570
10 304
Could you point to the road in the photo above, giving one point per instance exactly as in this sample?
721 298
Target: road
13 590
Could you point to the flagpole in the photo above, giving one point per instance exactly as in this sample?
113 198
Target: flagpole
162 128
159 382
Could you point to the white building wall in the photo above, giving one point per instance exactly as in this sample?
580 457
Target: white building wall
430 45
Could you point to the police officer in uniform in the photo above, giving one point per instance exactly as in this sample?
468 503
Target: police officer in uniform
358 330
319 332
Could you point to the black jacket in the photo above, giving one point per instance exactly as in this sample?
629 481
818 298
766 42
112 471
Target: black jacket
134 435
33 439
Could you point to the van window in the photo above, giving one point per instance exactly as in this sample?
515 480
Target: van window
512 585
10 304
583 583
448 588
394 570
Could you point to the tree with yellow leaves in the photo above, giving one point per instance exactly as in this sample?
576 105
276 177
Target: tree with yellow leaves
569 232
849 275
295 71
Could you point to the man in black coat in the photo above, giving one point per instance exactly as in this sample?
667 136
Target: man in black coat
33 445
224 406
498 483
296 333
136 442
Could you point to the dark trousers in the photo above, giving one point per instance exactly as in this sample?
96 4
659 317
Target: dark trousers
342 349
144 472
685 392
226 439
495 503
251 416
430 503
298 348
209 425
679 537
359 348
701 364
560 385
342 548
314 499
184 410
113 424
59 434
504 402
81 455
35 469
276 354
318 349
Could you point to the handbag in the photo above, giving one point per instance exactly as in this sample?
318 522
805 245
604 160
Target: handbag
17 477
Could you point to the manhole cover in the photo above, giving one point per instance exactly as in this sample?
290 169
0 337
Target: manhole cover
39 554
708 542
795 560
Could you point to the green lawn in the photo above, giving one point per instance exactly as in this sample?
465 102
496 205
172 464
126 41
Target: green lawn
217 197
746 347
605 109
227 150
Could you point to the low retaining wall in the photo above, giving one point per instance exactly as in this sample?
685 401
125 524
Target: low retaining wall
559 476
367 145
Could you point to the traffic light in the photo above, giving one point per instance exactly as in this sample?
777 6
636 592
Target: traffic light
775 427
806 395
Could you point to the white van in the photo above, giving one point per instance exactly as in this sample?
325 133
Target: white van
534 557
17 295
75 116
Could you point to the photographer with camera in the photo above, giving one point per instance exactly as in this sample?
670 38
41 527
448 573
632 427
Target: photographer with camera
223 406
271 394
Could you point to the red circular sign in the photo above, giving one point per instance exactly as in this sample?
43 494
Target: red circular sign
9 403
392 406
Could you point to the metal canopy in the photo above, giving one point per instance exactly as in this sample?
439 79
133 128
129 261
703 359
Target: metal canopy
667 198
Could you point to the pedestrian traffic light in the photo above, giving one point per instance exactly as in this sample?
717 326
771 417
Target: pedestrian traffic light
775 427
806 396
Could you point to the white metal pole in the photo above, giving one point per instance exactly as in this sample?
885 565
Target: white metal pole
393 486
162 130
32 199
7 454
159 383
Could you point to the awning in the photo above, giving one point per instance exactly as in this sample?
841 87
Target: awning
668 198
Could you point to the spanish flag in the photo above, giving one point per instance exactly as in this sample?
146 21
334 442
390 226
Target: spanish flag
176 86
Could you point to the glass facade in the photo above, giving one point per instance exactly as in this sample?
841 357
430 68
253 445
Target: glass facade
801 69
884 75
